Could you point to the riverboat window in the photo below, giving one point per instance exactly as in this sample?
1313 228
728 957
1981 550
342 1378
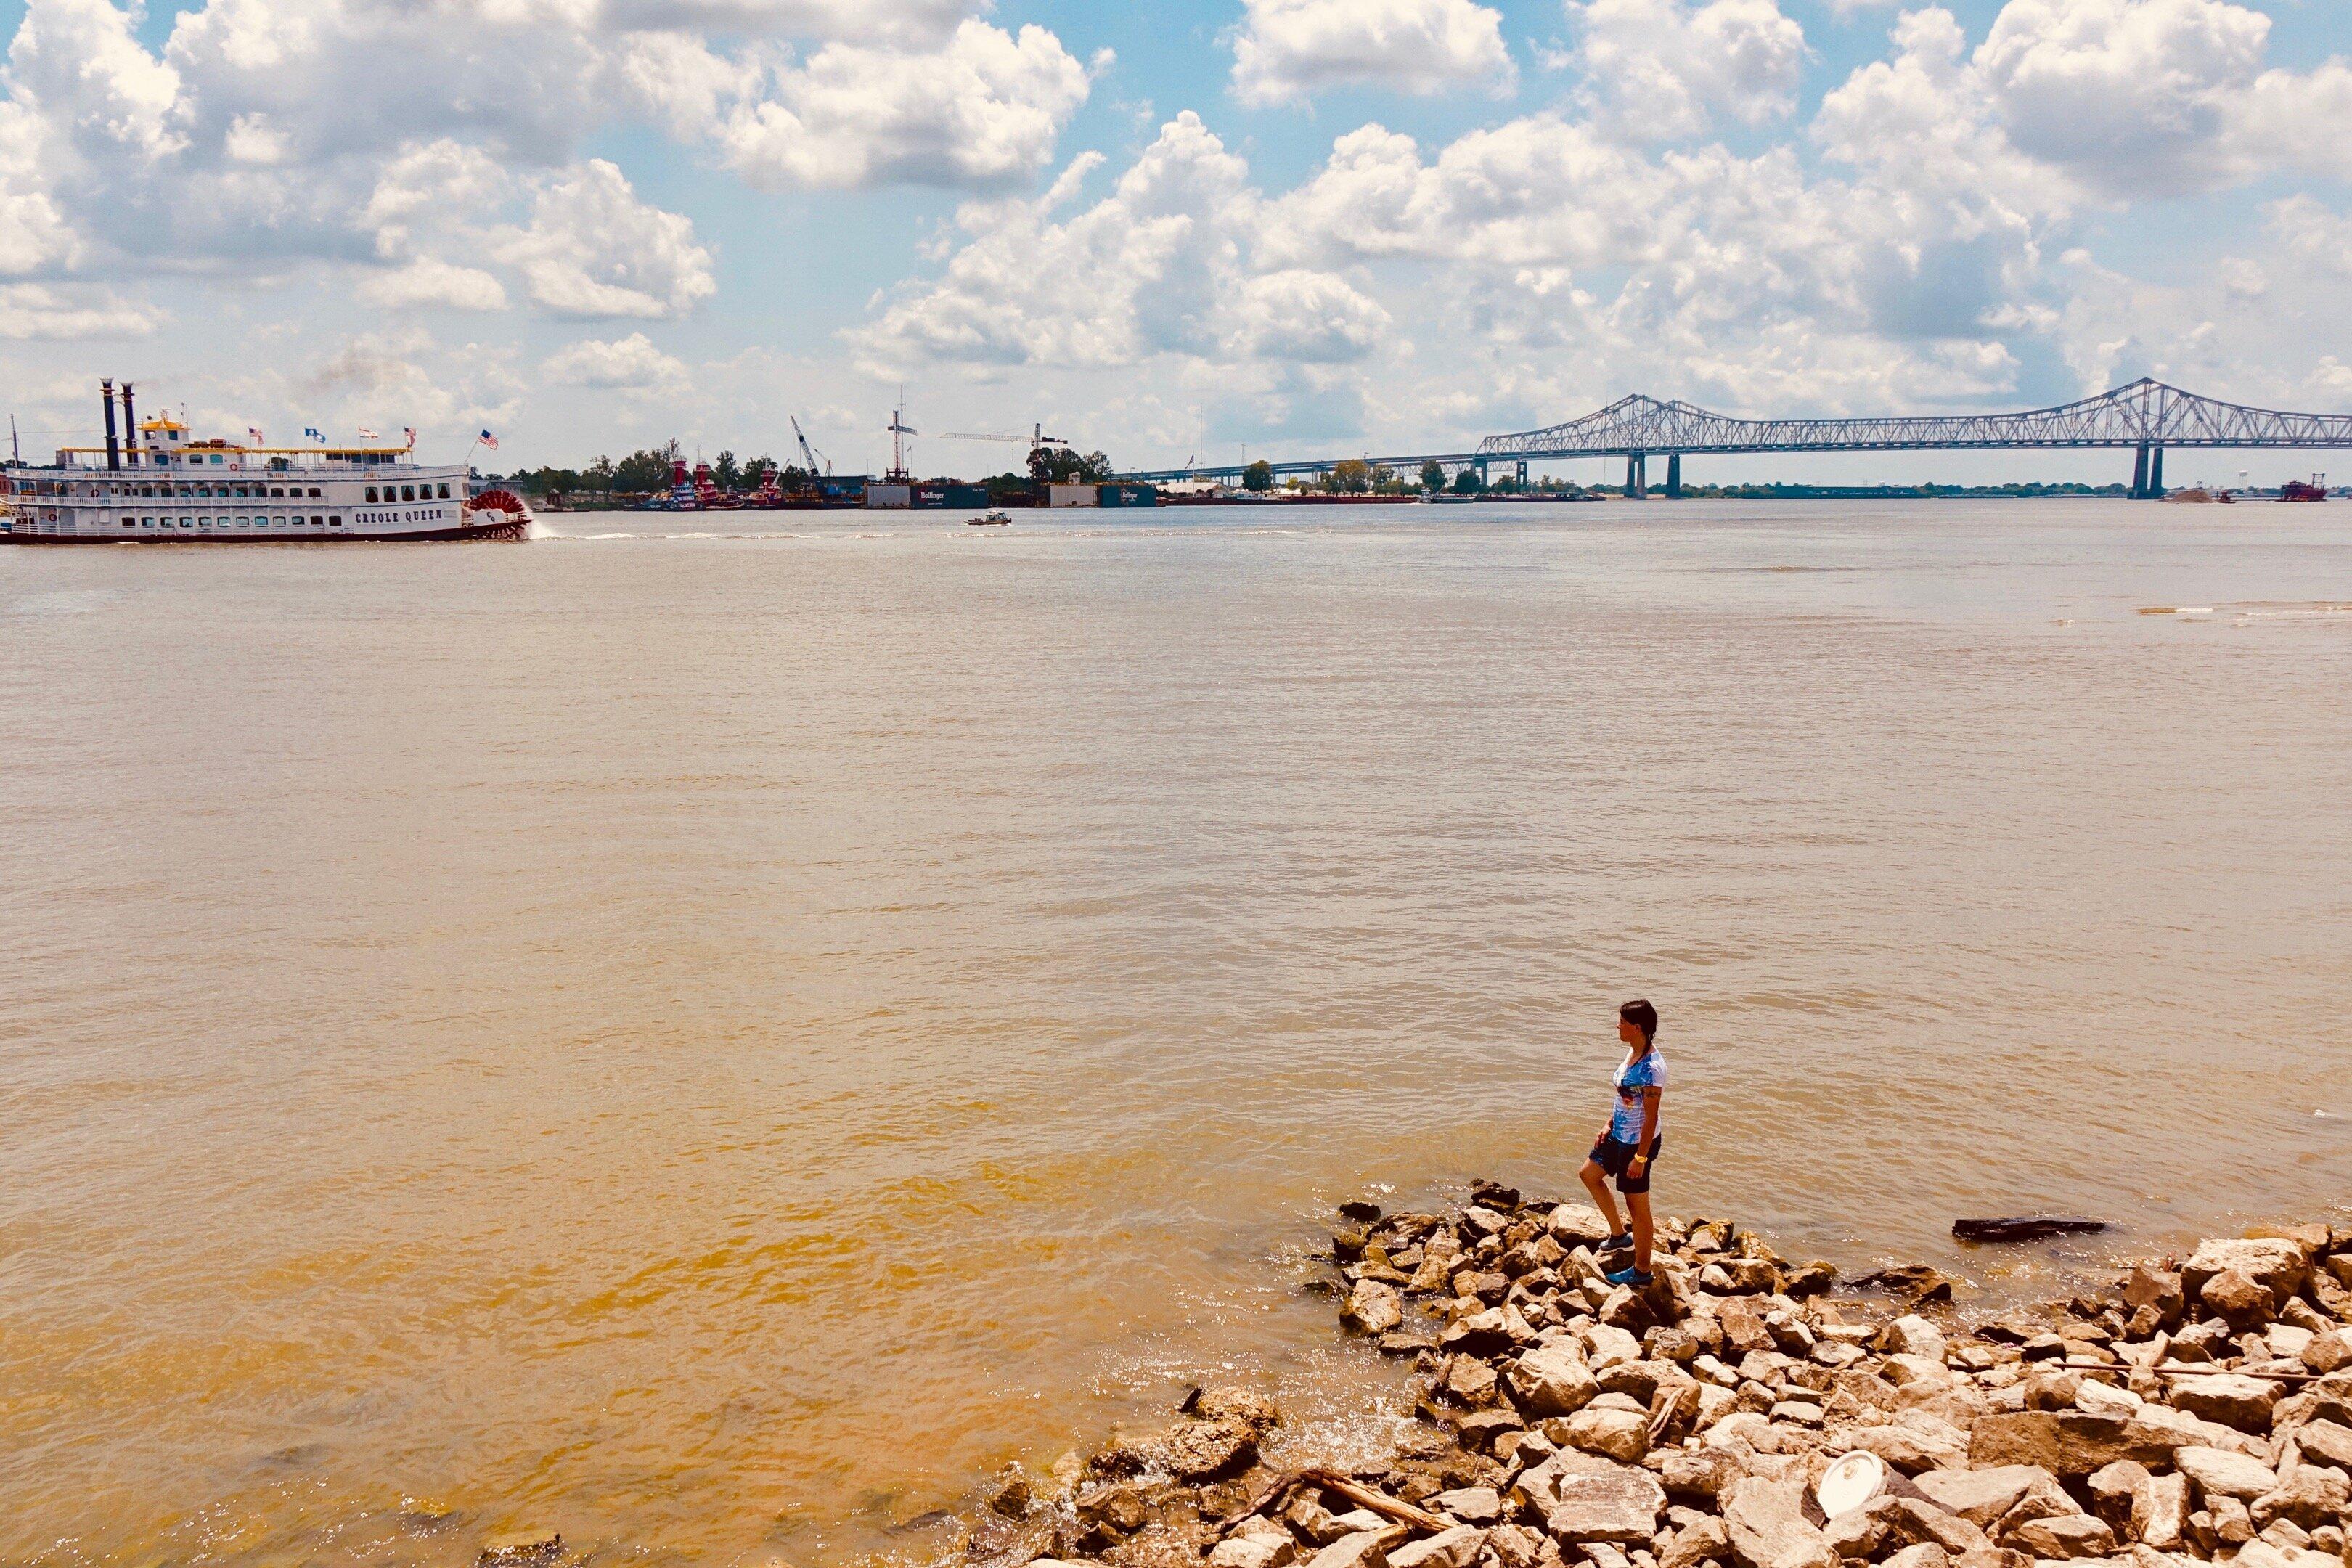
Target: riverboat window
334 522
149 522
442 491
276 490
129 523
370 495
408 492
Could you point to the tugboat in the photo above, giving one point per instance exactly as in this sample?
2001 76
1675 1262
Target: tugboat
158 486
2296 489
988 520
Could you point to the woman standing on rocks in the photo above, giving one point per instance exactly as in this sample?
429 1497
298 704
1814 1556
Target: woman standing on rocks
1628 1146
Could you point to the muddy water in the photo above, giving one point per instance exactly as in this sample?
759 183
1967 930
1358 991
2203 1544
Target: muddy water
716 1042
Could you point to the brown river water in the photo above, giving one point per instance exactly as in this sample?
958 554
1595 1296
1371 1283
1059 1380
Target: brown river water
715 1033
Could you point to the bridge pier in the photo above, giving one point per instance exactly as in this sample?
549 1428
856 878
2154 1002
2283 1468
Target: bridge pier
1674 476
2156 473
1637 475
1522 475
2139 474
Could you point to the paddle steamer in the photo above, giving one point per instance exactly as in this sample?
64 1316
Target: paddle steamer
157 484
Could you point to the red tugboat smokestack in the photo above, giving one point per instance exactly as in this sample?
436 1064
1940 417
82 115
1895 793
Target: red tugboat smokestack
113 447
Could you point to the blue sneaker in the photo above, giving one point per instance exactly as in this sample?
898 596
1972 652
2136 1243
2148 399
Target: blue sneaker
1629 1275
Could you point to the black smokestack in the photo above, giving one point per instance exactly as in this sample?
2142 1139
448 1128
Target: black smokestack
113 448
130 426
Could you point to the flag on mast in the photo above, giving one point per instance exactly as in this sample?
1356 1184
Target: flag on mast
366 434
489 441
409 431
252 435
313 435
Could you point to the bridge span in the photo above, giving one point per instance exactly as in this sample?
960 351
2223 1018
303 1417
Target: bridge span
2145 415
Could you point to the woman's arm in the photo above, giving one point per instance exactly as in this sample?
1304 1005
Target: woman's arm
1649 1099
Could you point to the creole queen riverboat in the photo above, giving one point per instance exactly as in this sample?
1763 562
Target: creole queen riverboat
158 485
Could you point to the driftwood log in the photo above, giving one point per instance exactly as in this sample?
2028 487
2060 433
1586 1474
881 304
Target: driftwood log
2025 1227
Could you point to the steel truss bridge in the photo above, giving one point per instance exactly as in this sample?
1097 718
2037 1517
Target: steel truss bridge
2145 415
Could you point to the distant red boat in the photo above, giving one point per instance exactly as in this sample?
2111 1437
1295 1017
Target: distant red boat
2296 489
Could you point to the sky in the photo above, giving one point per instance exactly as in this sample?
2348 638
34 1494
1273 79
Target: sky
1288 228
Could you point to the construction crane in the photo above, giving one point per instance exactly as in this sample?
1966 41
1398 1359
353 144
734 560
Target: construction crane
807 451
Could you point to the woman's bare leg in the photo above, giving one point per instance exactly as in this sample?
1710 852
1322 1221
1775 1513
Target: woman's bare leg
1596 1181
1638 1203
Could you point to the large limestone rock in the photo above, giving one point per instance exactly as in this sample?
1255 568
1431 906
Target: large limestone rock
1927 1554
2063 1442
1622 1508
2156 1291
1205 1450
1915 1335
2160 1512
1700 1475
1916 1521
1767 1524
2279 1265
2060 1537
1621 1435
1578 1224
1552 1379
1253 1552
2239 1299
2311 1495
2113 1489
2244 1403
1362 1549
1471 1505
1981 1497
1455 1548
2325 1442
1703 1540
1915 1440
2162 1428
1372 1308
2219 1472
1861 1533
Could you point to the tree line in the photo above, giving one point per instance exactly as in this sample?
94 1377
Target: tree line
647 470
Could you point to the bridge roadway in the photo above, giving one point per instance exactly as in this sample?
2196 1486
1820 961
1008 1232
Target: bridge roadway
2146 416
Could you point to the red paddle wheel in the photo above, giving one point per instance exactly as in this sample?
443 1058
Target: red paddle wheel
498 514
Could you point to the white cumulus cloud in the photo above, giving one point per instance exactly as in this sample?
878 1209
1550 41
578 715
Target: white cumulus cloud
593 249
2130 95
1292 49
1664 68
629 364
985 108
430 282
34 311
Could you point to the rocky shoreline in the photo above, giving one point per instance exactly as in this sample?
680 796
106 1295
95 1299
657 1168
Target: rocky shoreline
1750 1412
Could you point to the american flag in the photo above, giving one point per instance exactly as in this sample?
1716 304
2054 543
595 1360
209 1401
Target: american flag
409 431
252 435
366 434
489 441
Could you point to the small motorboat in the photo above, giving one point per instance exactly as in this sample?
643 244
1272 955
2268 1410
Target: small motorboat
988 520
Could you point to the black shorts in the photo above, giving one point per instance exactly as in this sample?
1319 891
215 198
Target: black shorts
1613 1157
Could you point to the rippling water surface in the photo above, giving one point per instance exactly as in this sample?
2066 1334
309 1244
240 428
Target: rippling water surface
716 1033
